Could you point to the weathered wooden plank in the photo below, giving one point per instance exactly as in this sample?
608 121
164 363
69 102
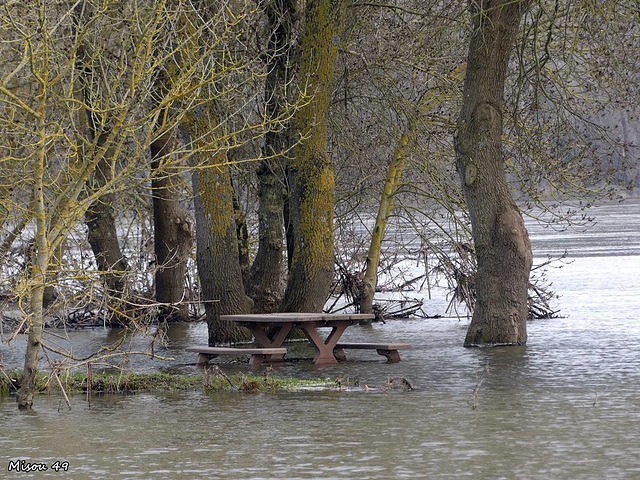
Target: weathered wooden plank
375 346
388 350
258 355
238 351
293 317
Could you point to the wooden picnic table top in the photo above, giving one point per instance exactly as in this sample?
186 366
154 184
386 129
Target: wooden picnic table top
294 317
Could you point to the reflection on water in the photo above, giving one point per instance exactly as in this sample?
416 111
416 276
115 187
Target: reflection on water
566 406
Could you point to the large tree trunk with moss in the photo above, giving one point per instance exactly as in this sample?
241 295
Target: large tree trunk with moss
242 237
311 175
173 232
217 254
501 241
265 278
219 269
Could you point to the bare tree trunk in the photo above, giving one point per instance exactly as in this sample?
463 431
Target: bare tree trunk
38 276
501 241
173 232
50 293
34 337
103 238
216 239
311 173
242 237
394 174
265 279
288 223
265 284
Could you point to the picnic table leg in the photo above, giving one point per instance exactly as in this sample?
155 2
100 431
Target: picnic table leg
203 359
392 355
260 334
324 349
339 354
257 359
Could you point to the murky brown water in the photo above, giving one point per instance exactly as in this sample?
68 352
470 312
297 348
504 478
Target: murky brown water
567 406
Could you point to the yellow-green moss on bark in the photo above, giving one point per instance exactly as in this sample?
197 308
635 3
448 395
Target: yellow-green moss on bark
217 248
311 176
394 174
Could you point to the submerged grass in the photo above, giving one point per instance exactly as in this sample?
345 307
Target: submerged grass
213 380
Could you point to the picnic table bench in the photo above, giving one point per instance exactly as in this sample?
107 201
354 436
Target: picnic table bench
389 350
258 355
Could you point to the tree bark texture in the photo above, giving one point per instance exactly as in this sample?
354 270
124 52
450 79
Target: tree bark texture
288 222
265 278
173 233
311 175
50 293
503 250
38 278
217 254
216 240
394 174
242 237
103 238
34 340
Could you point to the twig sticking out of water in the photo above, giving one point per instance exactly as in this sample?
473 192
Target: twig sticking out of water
11 382
89 382
595 398
476 389
56 366
217 374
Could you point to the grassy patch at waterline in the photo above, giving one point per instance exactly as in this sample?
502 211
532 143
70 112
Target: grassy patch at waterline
211 381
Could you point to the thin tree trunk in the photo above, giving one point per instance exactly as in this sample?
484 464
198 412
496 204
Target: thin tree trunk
242 237
394 174
103 238
13 234
503 250
217 254
311 174
37 280
265 284
50 293
173 232
35 327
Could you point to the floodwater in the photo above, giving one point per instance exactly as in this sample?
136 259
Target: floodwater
566 406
